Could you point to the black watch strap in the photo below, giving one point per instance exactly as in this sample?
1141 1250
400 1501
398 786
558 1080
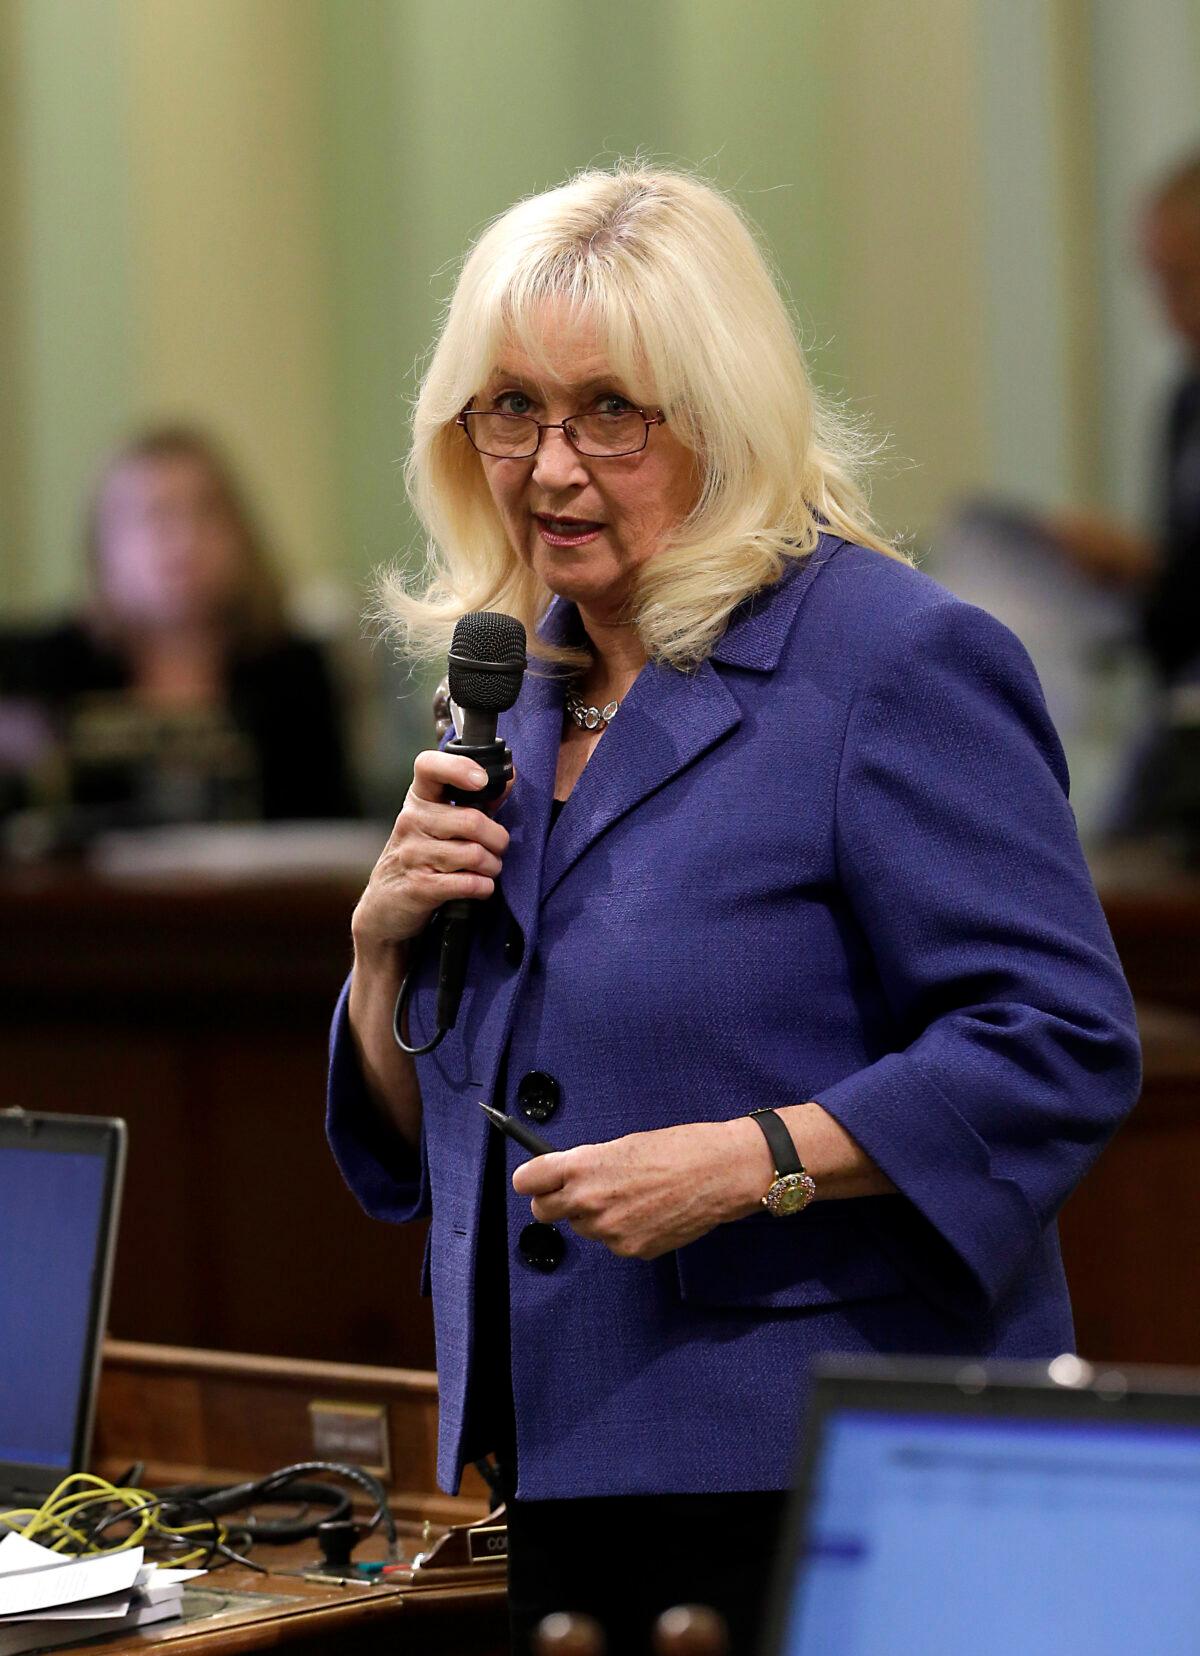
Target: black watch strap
780 1142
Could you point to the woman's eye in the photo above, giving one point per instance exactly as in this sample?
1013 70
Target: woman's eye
512 402
613 404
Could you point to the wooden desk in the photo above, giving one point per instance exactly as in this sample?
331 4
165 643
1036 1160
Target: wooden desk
220 1417
312 1620
1131 1232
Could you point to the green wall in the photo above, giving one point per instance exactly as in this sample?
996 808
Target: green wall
248 212
65 290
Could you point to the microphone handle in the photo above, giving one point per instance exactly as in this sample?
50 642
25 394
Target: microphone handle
458 916
496 758
457 927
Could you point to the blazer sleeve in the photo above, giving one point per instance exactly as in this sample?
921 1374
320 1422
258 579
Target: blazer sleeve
390 1181
1018 1053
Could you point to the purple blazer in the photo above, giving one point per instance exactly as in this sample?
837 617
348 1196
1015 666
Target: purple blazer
836 862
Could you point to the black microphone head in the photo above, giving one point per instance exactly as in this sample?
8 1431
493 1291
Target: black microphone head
487 661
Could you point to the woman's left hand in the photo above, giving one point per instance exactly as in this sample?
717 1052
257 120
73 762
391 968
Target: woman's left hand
647 1193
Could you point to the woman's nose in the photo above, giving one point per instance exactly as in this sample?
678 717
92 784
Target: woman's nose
556 465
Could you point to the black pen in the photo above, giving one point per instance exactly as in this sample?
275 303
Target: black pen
516 1130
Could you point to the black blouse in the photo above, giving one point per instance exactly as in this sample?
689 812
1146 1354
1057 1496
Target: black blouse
491 1428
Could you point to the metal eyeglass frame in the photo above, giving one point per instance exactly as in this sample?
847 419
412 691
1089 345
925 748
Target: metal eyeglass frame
556 425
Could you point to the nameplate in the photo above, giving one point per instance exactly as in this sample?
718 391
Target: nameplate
487 1543
355 1432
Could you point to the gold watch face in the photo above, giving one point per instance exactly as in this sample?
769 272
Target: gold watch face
790 1193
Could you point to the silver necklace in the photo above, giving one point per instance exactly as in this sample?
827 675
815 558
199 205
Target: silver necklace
590 718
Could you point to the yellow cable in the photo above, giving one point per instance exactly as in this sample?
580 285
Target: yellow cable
51 1518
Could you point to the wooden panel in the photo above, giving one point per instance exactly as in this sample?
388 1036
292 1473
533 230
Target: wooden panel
200 1014
221 1416
1153 909
1131 1232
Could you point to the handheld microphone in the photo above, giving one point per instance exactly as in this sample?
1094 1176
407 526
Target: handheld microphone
486 667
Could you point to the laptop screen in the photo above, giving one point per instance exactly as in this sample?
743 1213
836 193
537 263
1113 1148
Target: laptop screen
59 1179
937 1533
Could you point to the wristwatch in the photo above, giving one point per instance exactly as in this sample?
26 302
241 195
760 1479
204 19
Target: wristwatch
793 1188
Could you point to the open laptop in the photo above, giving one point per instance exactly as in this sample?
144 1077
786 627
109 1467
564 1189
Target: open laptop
946 1508
60 1191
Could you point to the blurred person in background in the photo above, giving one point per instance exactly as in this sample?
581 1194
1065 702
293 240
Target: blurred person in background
179 692
1165 566
1162 569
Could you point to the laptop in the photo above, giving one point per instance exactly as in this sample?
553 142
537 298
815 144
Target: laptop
60 1191
943 1508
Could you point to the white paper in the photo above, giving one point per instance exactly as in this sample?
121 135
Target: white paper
18 1638
18 1553
93 1609
114 1605
141 1615
34 1579
155 1579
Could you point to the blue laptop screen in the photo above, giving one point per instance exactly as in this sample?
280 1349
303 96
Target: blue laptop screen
933 1536
51 1214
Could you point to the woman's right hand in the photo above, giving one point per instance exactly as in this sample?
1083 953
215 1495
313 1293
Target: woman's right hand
436 852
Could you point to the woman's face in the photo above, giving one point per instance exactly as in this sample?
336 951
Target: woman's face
170 548
585 525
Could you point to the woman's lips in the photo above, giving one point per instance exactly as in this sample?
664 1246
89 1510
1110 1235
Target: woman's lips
556 531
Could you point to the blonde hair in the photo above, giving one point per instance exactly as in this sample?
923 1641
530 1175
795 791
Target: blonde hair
666 270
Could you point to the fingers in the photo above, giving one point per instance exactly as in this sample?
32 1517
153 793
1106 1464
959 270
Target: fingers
548 1210
435 771
429 888
454 856
457 822
586 1188
558 1187
435 854
399 899
560 1207
547 1179
427 812
541 1174
435 870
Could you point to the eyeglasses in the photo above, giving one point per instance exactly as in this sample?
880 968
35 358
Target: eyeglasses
598 436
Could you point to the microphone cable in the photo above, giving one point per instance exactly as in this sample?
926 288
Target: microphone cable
288 1485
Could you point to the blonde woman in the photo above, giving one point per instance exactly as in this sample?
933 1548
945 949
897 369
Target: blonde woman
789 833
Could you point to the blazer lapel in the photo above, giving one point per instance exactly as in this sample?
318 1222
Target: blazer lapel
665 723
